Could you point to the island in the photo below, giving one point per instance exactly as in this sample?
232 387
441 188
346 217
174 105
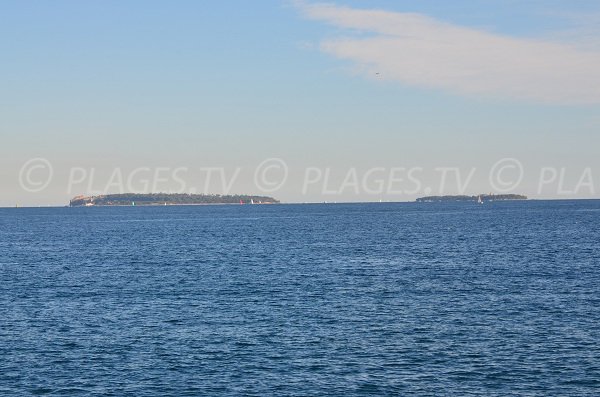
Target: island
133 199
478 198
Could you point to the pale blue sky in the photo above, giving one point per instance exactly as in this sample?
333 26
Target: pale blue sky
197 84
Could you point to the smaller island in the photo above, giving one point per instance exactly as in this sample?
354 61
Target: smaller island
479 198
135 199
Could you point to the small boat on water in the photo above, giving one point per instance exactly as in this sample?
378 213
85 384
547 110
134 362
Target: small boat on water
479 200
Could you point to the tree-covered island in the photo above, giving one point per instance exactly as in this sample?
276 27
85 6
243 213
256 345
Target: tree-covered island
167 199
478 198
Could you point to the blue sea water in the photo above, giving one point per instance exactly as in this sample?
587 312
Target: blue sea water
350 299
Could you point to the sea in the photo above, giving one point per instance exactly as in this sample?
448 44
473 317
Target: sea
380 299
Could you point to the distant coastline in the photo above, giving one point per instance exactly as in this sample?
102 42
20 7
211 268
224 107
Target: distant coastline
478 198
154 199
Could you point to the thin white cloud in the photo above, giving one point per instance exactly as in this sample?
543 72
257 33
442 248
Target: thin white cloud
417 50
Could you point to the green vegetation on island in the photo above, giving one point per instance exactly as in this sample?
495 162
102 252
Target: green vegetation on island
167 199
478 198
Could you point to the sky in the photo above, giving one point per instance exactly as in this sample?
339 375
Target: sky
305 101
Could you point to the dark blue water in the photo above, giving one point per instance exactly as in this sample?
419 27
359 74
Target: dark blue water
365 299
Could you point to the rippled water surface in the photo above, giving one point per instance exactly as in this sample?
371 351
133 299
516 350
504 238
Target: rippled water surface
357 299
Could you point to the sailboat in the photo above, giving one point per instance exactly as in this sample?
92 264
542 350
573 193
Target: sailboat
479 200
